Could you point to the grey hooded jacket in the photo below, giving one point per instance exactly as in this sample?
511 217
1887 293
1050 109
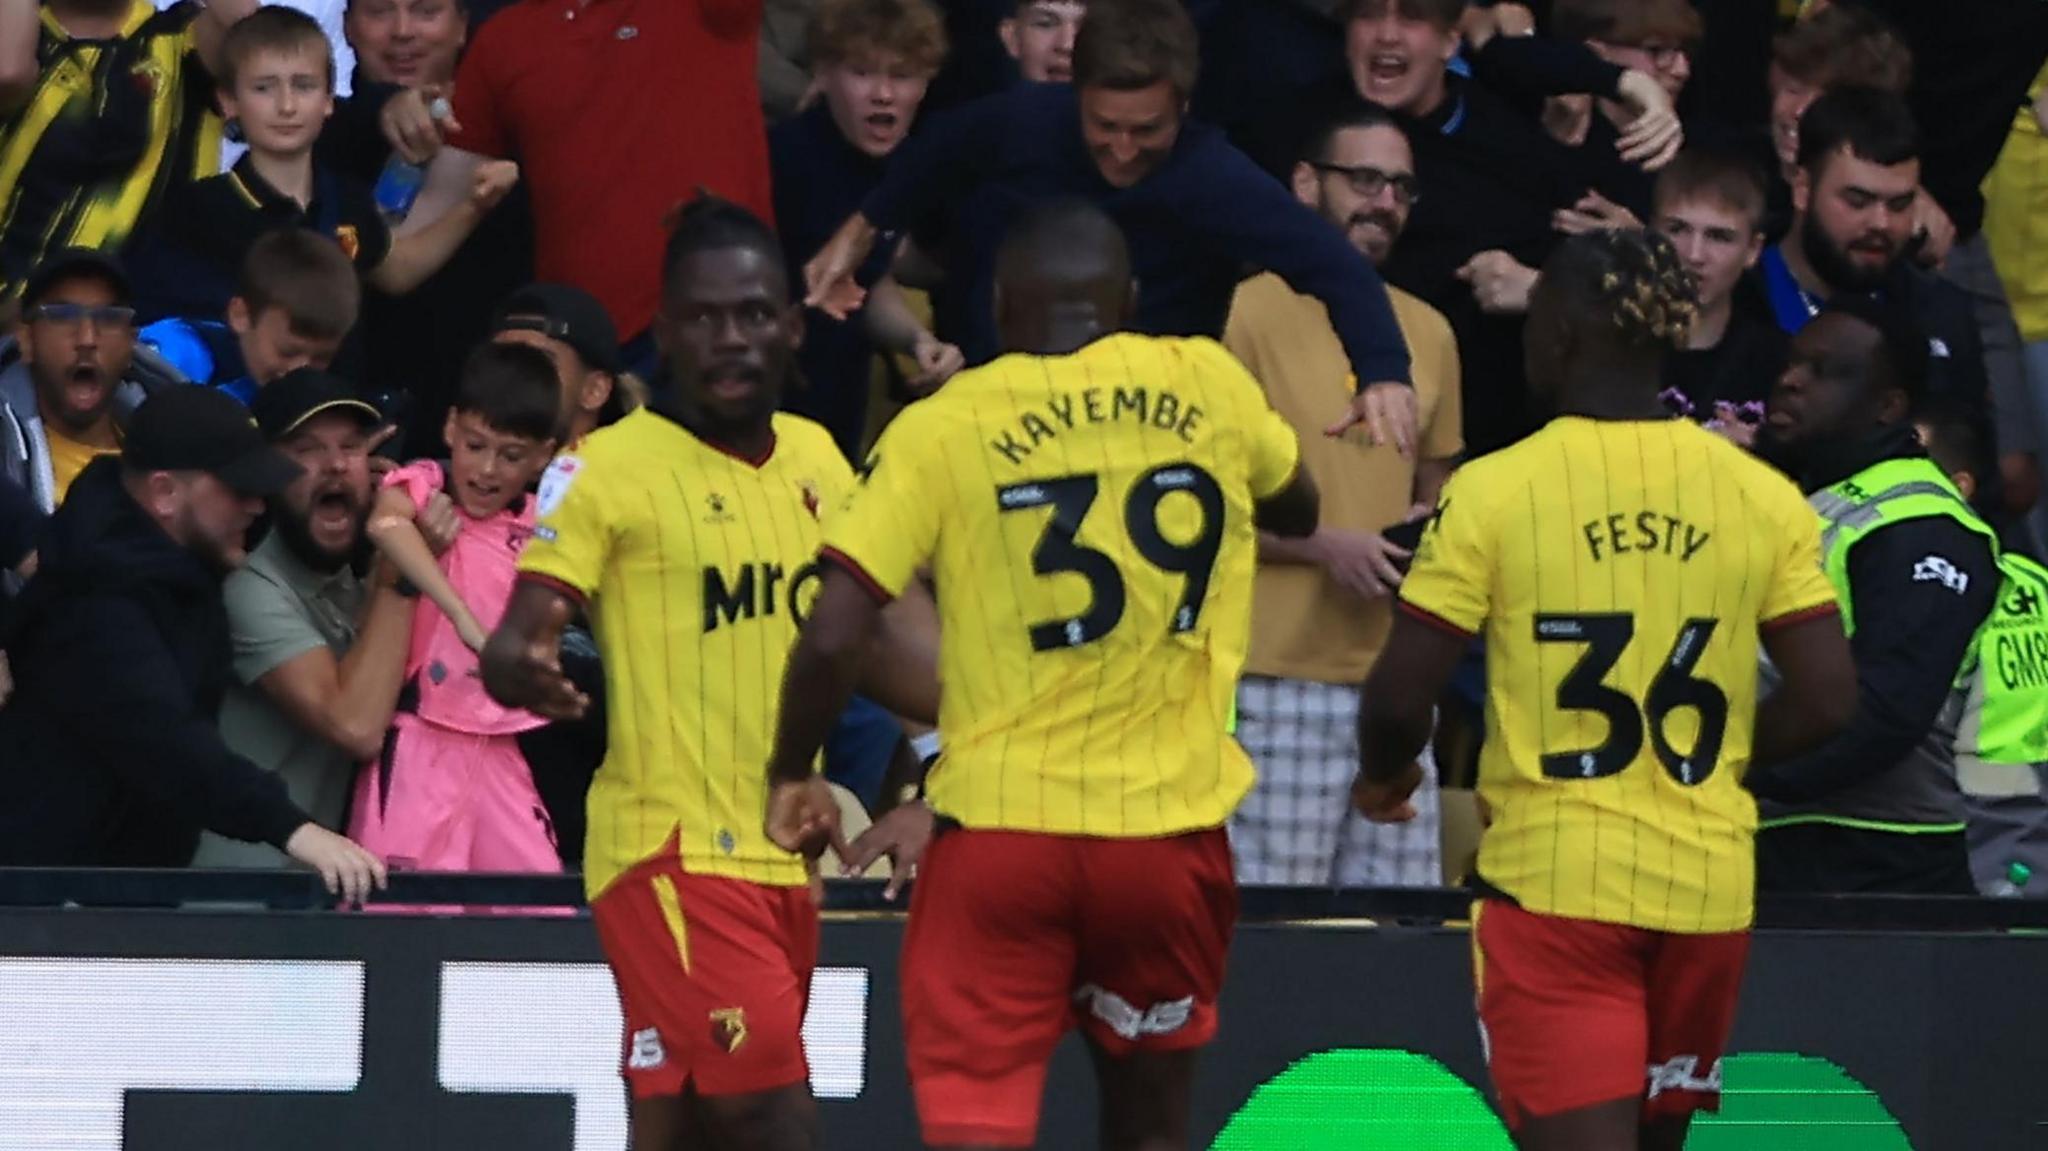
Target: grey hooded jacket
25 446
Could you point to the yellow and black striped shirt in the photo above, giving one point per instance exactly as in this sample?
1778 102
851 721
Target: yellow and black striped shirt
1622 573
698 567
1088 521
112 126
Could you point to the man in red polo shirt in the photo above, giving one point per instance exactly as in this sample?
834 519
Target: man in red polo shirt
618 111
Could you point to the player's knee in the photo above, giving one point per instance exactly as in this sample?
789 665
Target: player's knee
780 1120
663 1123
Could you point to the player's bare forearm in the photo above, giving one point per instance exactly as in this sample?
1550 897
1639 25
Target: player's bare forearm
1293 510
902 662
521 663
1816 697
822 672
1399 705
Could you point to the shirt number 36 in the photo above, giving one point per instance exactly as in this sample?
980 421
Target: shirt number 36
1059 551
1606 635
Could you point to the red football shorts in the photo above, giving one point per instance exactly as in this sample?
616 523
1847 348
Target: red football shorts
1015 937
713 974
1574 1013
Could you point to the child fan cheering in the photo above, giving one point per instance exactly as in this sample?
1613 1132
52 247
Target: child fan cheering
452 791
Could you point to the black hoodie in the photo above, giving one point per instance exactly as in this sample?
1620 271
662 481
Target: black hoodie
109 753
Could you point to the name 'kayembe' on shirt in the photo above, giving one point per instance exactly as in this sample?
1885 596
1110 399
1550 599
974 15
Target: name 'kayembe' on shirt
1088 521
1160 408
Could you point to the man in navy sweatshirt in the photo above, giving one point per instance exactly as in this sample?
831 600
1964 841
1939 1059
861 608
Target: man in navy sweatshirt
1197 212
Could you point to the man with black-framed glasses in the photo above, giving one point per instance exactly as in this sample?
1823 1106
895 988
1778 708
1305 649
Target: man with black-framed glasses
1321 605
70 384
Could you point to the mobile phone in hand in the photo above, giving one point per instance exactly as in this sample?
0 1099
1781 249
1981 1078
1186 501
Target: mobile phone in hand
1406 535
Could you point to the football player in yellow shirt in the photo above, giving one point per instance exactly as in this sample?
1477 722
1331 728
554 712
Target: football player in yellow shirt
690 531
1088 506
1623 567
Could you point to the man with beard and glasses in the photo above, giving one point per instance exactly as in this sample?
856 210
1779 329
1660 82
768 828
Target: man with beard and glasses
319 650
1322 604
109 754
1852 203
71 375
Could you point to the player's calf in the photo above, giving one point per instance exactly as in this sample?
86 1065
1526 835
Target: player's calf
1146 1097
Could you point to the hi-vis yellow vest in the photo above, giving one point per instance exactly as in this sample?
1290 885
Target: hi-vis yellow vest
2010 651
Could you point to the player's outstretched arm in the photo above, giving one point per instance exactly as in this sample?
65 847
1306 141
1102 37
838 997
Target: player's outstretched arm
1818 695
802 815
1291 512
522 662
1397 713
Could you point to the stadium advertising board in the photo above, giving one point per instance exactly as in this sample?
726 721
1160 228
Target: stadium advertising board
166 1031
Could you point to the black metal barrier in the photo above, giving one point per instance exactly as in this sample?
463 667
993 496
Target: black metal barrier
157 1028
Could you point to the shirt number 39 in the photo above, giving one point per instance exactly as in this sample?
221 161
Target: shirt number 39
1059 551
1606 636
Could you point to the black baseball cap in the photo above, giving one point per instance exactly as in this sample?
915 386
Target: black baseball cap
284 404
192 428
568 314
74 263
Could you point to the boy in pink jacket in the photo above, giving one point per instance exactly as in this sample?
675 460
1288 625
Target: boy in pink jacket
451 791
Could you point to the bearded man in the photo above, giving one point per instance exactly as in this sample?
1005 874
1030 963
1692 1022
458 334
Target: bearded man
319 648
1852 233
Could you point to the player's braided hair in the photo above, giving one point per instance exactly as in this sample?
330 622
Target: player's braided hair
1649 295
708 223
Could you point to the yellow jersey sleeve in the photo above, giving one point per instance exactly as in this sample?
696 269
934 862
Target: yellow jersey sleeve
835 476
1451 576
1799 587
889 525
572 529
1274 453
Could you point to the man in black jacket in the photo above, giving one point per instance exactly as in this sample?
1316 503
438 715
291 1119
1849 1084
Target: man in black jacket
1877 808
109 753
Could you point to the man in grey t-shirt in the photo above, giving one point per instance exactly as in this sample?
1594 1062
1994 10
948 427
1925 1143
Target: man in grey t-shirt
319 651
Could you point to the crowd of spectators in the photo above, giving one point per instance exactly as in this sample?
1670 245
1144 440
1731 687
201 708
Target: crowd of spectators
414 243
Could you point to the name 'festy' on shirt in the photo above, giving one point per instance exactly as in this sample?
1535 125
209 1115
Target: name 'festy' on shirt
1161 408
1645 532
